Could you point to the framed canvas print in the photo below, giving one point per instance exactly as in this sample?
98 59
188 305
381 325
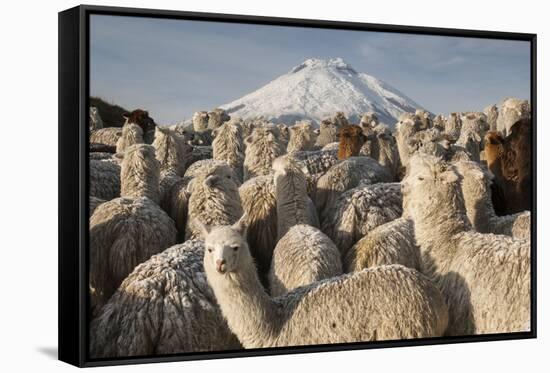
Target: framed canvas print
234 186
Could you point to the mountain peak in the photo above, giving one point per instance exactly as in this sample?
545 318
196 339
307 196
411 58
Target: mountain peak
316 63
318 88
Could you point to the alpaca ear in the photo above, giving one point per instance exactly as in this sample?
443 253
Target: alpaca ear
241 226
126 115
448 177
211 180
203 228
189 187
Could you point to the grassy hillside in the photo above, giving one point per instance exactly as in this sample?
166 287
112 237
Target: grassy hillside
110 113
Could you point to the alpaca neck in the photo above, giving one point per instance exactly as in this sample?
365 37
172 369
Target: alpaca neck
140 180
494 158
291 195
436 227
250 313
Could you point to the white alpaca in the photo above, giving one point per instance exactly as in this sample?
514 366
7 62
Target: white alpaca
228 146
172 151
214 198
304 255
476 190
165 306
315 164
260 209
131 134
511 111
343 176
359 210
106 135
389 243
302 137
262 147
104 179
128 230
407 126
363 306
293 204
485 278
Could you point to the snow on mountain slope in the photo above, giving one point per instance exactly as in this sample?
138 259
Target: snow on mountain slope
317 89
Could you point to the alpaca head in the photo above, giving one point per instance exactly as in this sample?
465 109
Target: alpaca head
216 176
226 249
368 120
429 185
284 165
340 119
268 133
141 118
475 188
351 139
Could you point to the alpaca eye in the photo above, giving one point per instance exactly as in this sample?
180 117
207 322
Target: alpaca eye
420 178
235 248
209 250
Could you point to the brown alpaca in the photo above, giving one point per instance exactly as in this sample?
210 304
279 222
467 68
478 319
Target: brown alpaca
509 159
141 118
351 139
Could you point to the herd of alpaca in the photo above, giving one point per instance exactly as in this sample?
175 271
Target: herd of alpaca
230 233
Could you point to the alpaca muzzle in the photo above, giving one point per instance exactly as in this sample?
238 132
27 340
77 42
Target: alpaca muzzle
220 266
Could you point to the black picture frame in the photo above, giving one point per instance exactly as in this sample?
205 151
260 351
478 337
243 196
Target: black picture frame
73 181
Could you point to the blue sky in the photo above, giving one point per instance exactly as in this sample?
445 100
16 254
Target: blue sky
174 67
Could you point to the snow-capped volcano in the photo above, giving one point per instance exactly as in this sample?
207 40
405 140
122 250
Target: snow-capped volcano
317 89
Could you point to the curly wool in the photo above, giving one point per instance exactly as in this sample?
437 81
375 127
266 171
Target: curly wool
304 255
214 198
389 243
484 278
384 303
93 202
228 146
315 164
358 211
343 176
106 135
165 306
123 233
262 147
260 208
104 179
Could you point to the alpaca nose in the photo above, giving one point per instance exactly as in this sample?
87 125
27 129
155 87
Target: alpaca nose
220 265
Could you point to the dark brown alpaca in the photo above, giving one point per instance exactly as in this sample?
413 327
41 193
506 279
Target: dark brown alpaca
509 159
351 139
141 118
